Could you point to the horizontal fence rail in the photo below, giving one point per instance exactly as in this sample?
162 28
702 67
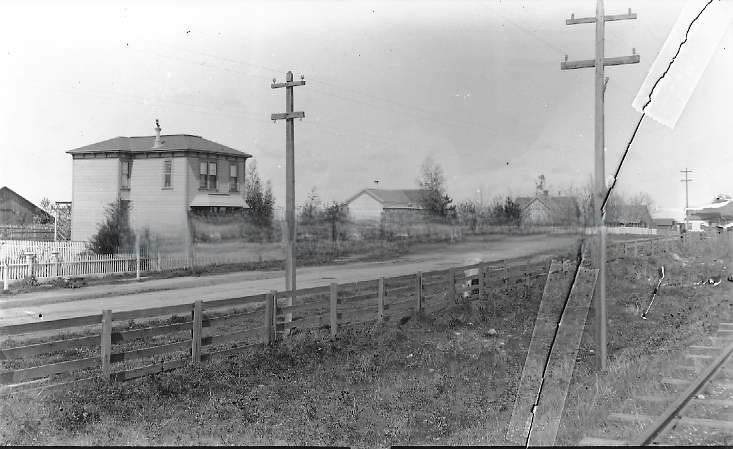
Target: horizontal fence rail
116 346
124 345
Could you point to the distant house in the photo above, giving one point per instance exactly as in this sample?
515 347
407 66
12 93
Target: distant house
719 213
162 176
15 210
669 224
546 210
373 204
629 215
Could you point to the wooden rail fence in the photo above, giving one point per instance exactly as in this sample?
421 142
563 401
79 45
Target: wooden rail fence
119 349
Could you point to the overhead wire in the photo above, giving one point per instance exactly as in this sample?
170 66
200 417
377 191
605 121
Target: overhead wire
646 104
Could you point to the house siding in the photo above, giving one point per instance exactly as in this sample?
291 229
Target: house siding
364 207
161 210
536 213
95 184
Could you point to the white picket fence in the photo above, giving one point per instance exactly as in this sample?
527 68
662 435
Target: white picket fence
15 250
105 265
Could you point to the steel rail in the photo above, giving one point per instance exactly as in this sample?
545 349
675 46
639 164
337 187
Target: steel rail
674 409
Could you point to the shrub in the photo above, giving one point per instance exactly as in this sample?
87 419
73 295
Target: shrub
114 235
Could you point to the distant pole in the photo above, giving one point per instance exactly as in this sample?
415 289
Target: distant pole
599 64
687 181
55 222
289 116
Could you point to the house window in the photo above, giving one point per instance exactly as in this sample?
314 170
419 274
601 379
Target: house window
212 175
126 167
167 173
203 175
207 175
233 178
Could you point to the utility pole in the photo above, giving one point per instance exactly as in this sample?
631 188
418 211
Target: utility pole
55 222
600 62
687 180
289 116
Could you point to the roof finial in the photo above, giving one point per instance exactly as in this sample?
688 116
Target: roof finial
157 143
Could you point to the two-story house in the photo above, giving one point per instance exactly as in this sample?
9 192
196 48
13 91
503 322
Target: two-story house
162 177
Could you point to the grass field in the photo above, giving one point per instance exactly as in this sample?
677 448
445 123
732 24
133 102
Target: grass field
438 379
641 352
441 378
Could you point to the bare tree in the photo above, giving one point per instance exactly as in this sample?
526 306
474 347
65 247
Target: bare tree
432 181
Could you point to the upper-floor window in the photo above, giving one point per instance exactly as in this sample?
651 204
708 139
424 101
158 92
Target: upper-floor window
212 175
233 177
203 174
207 175
126 167
167 174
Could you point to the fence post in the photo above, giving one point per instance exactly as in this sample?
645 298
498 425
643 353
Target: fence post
506 273
380 299
196 332
333 315
157 265
6 272
55 259
452 284
482 270
29 263
269 317
106 343
137 256
418 291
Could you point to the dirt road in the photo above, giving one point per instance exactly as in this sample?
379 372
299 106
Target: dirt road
58 304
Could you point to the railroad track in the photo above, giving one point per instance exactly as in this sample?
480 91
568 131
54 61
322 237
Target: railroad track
700 413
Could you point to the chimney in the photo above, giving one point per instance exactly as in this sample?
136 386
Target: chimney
157 143
546 193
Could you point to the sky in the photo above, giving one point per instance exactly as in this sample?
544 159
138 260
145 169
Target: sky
476 85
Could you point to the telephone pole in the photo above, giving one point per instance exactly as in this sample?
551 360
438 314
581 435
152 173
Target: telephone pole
600 62
687 180
289 116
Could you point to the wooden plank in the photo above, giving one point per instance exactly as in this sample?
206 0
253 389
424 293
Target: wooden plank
120 336
227 352
333 312
218 320
15 388
122 376
452 284
561 362
233 302
26 328
106 341
196 333
269 318
151 351
152 312
393 290
233 337
380 299
548 316
17 376
303 292
418 292
356 298
20 352
590 441
673 409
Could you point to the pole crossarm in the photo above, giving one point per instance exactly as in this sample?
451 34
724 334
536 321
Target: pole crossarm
287 115
287 84
587 63
607 18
